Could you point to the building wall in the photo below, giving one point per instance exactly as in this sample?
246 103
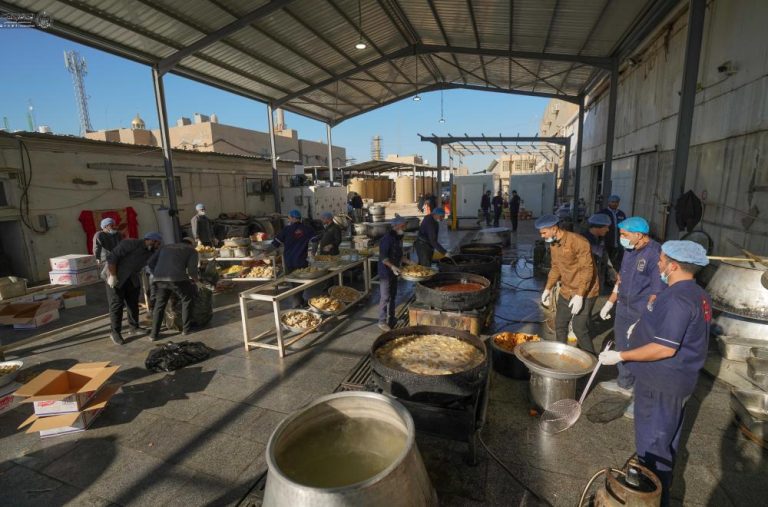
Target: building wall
101 173
727 161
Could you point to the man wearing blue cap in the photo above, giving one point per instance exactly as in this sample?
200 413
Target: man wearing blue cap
330 238
636 289
124 264
573 266
390 260
174 272
294 238
612 244
202 228
106 239
597 227
426 240
669 347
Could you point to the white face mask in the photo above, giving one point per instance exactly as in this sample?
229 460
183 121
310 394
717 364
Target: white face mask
549 240
400 232
626 243
201 212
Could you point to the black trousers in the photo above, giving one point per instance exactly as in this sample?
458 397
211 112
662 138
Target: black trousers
513 215
496 217
581 323
185 291
424 252
615 254
126 297
487 215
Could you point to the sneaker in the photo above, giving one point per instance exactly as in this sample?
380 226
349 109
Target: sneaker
133 331
384 327
629 412
613 387
155 338
117 338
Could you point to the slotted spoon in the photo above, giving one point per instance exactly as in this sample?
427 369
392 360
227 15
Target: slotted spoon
563 414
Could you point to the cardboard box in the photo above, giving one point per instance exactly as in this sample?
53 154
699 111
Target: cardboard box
74 277
51 426
73 262
73 299
60 392
7 400
29 315
12 287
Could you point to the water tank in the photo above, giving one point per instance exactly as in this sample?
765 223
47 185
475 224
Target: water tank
369 185
356 185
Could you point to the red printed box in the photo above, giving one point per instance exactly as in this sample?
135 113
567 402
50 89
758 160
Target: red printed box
73 262
74 277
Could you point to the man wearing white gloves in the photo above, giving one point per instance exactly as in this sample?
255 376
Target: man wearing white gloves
124 264
638 284
574 267
669 347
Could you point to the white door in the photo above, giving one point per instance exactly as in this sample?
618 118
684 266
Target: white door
469 197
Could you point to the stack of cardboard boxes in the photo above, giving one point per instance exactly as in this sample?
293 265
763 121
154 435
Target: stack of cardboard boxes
67 401
73 269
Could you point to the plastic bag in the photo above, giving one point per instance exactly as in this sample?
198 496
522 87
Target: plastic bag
172 356
202 309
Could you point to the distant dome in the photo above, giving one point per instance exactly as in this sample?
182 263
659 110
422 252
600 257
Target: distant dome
138 123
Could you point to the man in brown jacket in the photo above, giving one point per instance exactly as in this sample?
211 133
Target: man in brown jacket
574 267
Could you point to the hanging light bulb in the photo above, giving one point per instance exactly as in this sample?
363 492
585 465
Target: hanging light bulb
360 42
442 120
417 97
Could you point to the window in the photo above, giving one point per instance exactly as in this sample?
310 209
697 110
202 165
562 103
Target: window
151 187
252 186
3 195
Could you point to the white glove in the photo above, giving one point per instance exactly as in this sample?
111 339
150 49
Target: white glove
605 311
576 304
546 297
610 357
395 270
199 243
112 281
327 248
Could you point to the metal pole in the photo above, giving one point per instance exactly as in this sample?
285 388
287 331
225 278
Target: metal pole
439 172
696 12
566 170
165 139
577 178
273 151
330 152
610 132
415 192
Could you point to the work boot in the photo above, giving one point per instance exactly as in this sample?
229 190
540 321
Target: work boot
117 338
613 387
155 337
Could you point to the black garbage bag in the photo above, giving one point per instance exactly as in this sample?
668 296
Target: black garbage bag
172 356
202 309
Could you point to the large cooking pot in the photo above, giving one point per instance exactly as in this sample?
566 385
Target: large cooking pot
302 475
477 249
377 230
377 209
429 293
732 325
412 224
429 388
494 236
736 288
483 265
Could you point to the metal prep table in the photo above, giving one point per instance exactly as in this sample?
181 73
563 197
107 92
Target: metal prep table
266 292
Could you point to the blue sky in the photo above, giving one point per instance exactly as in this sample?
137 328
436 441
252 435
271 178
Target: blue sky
118 89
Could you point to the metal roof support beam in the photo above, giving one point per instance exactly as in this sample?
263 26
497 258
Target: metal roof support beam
610 133
445 36
273 158
594 61
330 152
579 149
563 141
696 12
439 174
169 62
566 171
165 139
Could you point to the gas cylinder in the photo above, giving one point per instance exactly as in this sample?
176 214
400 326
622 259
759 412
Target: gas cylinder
633 486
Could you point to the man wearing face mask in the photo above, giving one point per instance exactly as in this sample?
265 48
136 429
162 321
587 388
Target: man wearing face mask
669 347
106 239
426 241
330 238
636 289
612 244
390 260
574 267
124 264
202 228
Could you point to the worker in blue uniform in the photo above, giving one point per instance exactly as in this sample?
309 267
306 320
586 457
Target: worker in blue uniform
638 285
426 241
390 260
669 347
294 238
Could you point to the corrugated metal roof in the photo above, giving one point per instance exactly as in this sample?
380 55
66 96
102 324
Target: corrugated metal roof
300 54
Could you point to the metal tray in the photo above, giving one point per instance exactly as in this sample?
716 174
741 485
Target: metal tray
308 276
751 410
331 290
297 329
10 377
538 357
412 278
735 348
757 370
328 312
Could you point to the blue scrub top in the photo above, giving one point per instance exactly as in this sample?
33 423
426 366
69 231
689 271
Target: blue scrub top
680 319
390 247
295 239
640 276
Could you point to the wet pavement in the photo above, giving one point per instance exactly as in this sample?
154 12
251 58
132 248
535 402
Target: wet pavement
197 436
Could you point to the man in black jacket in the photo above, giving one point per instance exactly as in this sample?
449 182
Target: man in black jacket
426 241
124 264
485 205
330 238
174 271
612 240
514 209
498 206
